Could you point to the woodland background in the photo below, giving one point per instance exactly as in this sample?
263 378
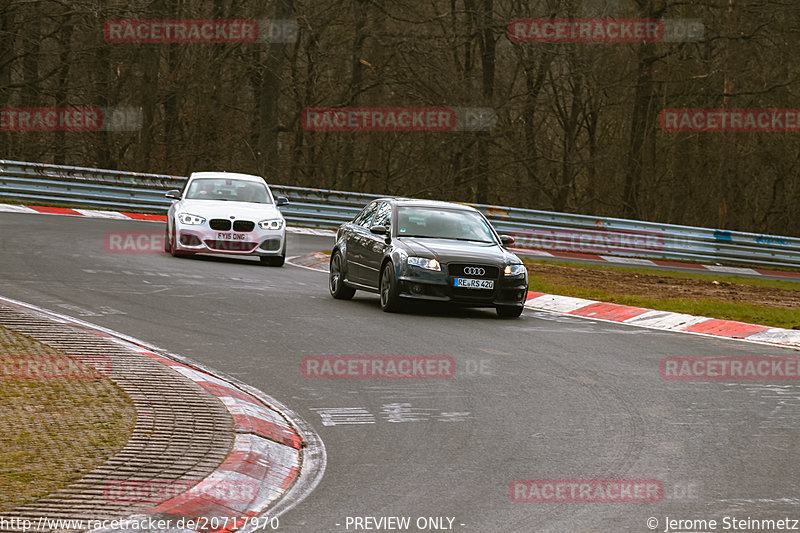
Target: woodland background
577 127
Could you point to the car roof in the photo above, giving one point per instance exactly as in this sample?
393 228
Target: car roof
227 176
413 202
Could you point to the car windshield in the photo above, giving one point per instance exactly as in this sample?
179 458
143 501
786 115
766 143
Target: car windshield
442 223
228 189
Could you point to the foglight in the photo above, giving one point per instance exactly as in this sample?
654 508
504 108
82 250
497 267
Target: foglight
422 262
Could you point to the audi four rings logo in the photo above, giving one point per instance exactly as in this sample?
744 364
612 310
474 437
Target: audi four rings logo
474 271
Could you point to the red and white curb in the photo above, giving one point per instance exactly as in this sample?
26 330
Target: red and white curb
119 215
662 320
633 261
278 461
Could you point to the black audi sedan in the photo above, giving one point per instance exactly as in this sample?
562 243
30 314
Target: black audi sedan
407 249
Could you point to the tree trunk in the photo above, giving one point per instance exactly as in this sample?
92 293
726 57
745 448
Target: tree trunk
487 49
354 90
62 89
642 122
270 98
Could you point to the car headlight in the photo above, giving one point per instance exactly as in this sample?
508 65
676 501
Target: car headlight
422 262
273 223
190 220
514 270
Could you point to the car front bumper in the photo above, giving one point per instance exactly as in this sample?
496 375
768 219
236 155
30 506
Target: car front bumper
259 242
439 286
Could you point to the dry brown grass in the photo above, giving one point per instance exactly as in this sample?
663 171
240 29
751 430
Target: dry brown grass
54 430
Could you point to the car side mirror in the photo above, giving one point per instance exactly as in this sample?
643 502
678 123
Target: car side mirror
281 200
379 230
507 240
173 194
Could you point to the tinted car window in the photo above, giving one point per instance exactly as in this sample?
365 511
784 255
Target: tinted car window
228 189
439 223
383 216
365 216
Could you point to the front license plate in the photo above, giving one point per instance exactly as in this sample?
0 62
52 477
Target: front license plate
231 236
467 283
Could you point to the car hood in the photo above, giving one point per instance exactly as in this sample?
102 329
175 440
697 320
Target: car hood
223 209
450 251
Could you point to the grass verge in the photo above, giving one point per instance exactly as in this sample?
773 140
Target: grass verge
753 300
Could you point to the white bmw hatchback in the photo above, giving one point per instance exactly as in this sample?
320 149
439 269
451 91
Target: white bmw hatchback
226 213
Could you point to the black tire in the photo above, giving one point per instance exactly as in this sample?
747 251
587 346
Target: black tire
167 243
390 296
172 249
275 260
336 285
509 311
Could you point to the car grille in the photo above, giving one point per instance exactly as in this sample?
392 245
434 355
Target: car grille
230 246
220 224
457 270
243 225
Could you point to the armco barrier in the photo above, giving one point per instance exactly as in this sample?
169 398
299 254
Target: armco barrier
37 183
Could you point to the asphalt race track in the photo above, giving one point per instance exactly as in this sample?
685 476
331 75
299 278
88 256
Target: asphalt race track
545 397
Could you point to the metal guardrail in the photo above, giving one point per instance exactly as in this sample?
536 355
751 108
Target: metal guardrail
321 208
